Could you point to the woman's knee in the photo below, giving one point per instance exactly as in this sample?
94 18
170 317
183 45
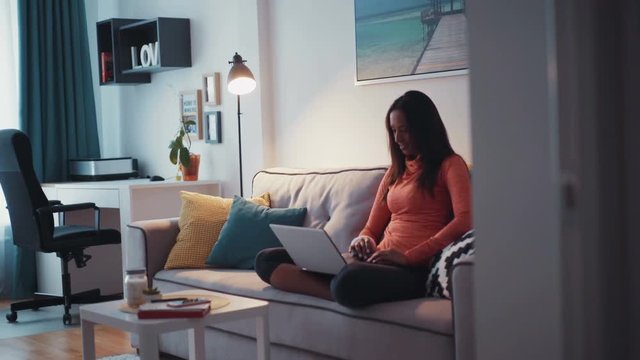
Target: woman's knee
346 287
268 260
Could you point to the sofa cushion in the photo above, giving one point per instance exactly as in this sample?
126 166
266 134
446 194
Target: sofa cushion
247 231
325 334
201 219
337 200
427 314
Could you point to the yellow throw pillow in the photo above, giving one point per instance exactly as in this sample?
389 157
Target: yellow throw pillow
201 219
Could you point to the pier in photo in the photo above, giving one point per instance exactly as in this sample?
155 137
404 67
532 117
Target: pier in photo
447 49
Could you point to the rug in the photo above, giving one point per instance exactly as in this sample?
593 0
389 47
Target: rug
121 357
32 322
135 357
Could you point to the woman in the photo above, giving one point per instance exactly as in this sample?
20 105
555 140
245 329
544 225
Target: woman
422 205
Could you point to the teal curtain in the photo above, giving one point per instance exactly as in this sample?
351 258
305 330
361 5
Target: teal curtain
57 108
24 278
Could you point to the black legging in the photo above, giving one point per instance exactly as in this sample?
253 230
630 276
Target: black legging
358 284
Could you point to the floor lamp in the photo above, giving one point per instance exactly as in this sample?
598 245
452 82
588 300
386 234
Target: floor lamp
239 82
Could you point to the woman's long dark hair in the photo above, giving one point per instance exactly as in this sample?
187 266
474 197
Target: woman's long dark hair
429 136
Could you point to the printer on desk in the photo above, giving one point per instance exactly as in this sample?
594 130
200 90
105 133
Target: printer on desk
103 169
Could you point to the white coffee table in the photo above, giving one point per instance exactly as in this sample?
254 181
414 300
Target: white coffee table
109 313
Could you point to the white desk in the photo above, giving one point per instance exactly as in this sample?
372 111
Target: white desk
121 202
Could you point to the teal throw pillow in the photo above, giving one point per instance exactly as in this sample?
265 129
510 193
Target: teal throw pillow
247 231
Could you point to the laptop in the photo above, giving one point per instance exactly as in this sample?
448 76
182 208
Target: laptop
310 248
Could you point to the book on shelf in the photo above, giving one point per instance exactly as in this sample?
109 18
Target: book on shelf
164 310
106 65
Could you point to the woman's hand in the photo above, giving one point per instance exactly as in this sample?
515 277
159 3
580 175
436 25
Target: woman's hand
388 257
362 247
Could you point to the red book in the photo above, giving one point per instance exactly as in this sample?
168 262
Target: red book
106 64
162 310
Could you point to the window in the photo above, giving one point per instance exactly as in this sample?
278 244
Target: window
8 119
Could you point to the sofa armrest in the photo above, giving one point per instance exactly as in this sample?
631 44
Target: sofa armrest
463 315
148 244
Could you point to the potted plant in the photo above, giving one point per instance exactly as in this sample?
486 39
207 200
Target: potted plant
180 153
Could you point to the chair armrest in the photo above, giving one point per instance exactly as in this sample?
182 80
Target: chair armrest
148 243
72 207
57 208
44 220
463 314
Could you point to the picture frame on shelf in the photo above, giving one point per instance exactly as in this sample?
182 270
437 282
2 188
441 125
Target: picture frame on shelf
211 88
191 109
213 127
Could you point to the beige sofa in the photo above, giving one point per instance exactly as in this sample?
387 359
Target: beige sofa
303 327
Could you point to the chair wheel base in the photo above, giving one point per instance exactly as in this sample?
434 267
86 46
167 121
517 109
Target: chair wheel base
12 317
66 319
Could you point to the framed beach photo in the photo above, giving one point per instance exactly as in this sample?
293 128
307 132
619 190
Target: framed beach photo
191 110
211 88
410 39
213 127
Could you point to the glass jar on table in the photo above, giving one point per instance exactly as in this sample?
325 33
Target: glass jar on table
134 283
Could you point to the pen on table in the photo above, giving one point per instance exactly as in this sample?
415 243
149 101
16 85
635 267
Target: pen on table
170 299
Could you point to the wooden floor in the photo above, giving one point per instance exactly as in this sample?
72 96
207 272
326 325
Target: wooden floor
64 345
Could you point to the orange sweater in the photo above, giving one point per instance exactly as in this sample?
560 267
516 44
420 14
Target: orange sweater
416 223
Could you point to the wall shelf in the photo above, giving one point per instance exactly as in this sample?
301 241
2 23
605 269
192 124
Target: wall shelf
151 69
118 36
109 46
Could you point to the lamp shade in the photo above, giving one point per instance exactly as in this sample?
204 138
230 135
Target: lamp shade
240 80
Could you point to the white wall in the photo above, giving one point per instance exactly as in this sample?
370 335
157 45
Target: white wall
107 97
140 120
9 108
306 111
516 182
321 118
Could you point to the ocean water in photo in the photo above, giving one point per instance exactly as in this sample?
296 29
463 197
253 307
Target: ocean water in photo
389 44
390 37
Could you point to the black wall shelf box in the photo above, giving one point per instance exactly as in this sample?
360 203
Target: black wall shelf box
173 39
110 70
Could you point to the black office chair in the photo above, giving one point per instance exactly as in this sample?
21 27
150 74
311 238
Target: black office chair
31 215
